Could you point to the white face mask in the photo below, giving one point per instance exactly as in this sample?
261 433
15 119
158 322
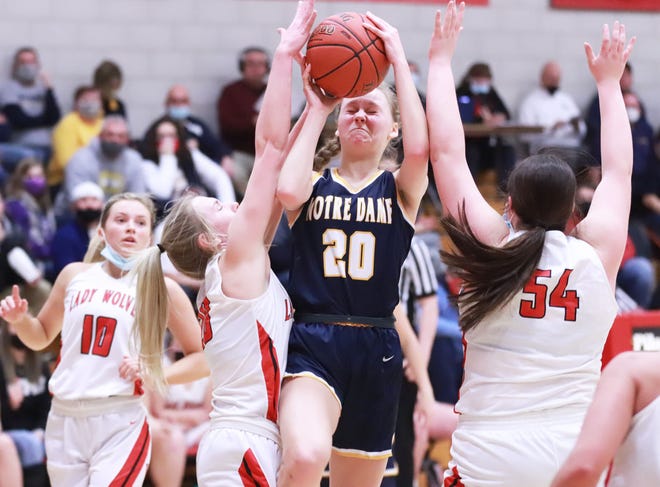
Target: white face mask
634 114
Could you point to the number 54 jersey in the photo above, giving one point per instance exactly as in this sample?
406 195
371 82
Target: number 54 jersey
349 246
99 312
542 350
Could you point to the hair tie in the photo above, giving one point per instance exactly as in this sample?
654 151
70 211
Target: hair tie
161 248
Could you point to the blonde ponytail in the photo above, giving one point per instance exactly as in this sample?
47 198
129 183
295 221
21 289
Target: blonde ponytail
151 315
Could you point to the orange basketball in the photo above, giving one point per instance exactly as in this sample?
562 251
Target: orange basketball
346 60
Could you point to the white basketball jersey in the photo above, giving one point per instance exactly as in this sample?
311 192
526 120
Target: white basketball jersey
542 350
246 345
637 461
99 312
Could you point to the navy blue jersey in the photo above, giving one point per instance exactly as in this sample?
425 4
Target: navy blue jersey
349 245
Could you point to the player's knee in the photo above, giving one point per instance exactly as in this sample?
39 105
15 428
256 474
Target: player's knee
305 461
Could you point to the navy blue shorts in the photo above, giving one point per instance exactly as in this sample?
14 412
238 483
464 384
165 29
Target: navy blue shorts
363 365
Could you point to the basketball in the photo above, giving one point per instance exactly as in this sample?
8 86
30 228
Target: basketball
346 60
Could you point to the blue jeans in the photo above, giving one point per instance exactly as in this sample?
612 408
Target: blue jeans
637 278
30 447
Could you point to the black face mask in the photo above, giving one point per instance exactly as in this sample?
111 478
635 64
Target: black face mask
178 355
552 89
17 343
111 150
88 215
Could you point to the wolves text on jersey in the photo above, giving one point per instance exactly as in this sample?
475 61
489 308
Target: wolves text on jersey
108 296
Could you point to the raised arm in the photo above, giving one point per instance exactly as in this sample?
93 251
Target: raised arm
606 225
260 209
447 139
411 178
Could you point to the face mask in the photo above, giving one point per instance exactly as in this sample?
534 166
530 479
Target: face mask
178 112
111 150
633 114
88 215
118 260
552 89
479 88
36 186
27 73
89 108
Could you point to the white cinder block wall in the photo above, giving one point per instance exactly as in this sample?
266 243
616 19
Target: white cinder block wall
195 42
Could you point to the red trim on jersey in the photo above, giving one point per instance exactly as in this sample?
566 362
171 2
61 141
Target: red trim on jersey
135 461
250 471
271 370
138 388
454 480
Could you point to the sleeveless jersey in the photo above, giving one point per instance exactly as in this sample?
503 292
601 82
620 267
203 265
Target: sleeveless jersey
99 312
637 461
245 344
349 246
542 349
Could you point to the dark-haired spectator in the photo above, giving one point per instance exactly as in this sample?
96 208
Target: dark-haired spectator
238 107
479 102
29 207
29 104
108 79
75 131
553 109
24 402
107 161
16 265
72 238
28 101
170 167
198 134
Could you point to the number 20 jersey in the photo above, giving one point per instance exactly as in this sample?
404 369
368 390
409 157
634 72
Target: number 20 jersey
349 246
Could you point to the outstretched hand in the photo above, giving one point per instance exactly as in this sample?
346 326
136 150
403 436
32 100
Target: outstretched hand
294 37
389 35
13 308
613 55
446 30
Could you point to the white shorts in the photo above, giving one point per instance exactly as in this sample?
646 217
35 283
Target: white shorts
231 457
97 442
524 452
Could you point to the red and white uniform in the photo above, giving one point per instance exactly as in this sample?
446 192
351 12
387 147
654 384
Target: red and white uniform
246 347
531 369
97 433
637 461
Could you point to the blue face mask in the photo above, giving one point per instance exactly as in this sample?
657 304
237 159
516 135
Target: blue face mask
178 112
118 260
479 88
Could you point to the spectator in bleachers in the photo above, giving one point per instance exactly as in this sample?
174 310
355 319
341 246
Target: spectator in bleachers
178 420
170 167
479 102
198 134
24 402
108 79
645 203
29 207
107 161
16 265
73 237
29 104
238 108
553 109
74 131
